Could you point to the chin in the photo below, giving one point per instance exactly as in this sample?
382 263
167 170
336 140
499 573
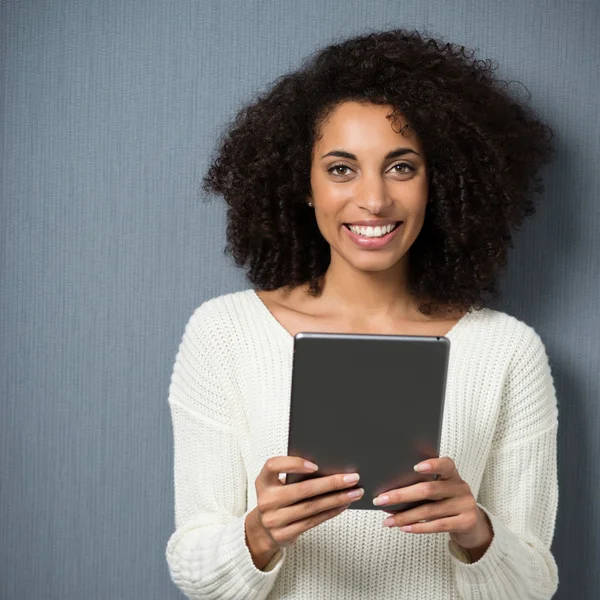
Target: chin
376 264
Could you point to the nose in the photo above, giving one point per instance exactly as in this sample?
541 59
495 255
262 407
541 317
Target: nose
373 195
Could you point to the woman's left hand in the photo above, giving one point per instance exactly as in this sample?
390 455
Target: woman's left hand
453 508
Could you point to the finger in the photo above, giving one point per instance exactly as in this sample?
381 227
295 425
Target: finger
284 464
426 490
448 524
429 512
272 499
444 467
293 530
295 492
310 507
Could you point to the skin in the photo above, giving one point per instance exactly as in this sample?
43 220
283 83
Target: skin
364 291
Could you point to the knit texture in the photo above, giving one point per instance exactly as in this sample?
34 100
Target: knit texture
229 401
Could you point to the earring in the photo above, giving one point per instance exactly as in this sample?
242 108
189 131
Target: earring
310 204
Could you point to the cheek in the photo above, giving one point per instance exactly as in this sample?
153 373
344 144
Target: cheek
416 200
328 192
331 200
327 221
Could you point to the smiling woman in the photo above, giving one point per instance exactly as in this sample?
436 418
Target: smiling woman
374 190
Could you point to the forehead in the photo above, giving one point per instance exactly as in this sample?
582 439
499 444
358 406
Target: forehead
364 125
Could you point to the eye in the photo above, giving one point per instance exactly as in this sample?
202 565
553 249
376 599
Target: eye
338 168
404 168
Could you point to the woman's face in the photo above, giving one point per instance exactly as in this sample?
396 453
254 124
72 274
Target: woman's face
364 175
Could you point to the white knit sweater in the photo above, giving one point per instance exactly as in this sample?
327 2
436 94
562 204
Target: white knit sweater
229 400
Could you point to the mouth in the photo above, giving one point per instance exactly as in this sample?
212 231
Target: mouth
372 232
372 238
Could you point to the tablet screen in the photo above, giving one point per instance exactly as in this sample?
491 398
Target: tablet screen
371 404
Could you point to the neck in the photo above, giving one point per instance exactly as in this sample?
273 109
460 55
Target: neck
368 293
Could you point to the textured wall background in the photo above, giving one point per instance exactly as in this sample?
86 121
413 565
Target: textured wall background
109 113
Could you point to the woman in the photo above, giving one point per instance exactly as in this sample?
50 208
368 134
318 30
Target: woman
374 190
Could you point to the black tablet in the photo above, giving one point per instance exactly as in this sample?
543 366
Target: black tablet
371 404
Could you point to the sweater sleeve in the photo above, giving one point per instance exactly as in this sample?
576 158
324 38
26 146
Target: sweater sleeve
519 490
207 554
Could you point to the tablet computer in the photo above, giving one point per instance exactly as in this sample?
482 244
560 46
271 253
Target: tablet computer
371 404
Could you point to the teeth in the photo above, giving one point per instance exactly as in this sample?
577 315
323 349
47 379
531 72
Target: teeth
372 231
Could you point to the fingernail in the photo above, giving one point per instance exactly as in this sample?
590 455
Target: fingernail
406 528
380 500
352 478
356 493
310 465
388 522
422 467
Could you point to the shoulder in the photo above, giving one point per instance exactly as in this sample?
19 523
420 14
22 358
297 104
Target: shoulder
228 324
528 399
226 302
221 312
202 380
528 385
213 332
505 334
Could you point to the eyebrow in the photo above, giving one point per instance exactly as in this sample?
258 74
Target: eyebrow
392 154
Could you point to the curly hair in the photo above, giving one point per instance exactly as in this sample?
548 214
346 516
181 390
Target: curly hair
483 151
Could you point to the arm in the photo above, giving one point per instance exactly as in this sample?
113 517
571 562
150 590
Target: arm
207 554
519 490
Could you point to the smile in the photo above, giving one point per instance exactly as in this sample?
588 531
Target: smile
372 231
372 238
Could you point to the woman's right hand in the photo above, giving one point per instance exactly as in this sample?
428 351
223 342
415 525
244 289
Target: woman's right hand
285 511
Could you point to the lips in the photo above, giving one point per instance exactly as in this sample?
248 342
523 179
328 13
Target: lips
372 243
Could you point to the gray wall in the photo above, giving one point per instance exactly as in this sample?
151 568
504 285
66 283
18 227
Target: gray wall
109 113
